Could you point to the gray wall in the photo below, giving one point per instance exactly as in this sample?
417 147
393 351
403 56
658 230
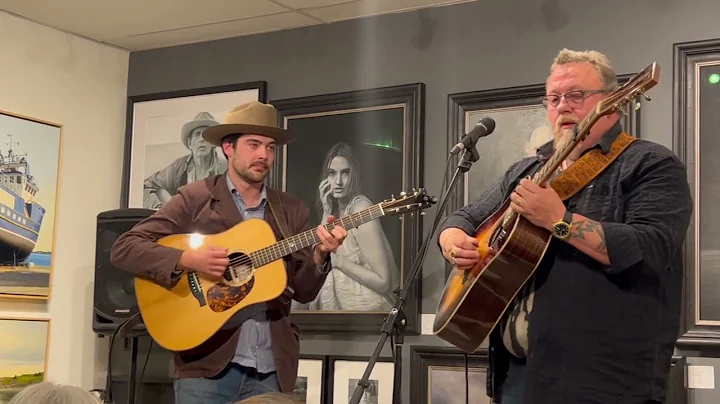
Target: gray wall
475 46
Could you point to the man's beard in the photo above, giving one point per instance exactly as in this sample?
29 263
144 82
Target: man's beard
251 176
563 137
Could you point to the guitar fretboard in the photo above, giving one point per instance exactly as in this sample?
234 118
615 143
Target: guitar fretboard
309 237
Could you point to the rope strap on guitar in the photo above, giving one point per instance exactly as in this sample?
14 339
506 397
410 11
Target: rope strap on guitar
571 180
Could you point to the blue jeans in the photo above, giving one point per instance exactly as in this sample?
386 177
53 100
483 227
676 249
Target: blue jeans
233 384
513 388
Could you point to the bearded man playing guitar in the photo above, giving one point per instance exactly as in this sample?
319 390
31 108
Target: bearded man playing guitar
598 320
260 352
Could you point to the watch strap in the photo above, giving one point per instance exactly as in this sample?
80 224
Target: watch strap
568 217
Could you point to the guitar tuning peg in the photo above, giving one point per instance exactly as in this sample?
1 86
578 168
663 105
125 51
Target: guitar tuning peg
637 105
403 193
647 97
422 213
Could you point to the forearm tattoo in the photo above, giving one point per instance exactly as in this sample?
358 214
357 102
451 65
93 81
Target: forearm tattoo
585 227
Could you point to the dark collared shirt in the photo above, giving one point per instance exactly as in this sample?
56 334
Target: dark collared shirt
602 334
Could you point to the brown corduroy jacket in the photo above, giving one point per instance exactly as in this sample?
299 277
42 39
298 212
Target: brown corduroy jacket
207 207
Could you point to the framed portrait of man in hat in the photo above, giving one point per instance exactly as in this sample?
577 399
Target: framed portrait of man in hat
164 147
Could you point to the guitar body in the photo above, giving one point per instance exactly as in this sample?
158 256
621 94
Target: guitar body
474 301
192 311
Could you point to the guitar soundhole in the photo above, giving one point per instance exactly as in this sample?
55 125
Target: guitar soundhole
498 237
239 270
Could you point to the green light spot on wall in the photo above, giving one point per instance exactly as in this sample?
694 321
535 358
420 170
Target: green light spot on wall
714 78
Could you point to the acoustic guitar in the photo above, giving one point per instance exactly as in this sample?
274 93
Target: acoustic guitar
474 300
189 313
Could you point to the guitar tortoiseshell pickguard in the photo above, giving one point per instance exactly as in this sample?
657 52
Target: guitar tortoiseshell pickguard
222 297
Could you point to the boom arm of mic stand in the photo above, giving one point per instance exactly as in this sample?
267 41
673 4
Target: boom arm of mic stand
396 320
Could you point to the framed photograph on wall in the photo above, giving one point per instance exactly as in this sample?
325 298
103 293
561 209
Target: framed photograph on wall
30 153
23 354
696 100
438 376
164 148
346 371
520 127
354 150
311 383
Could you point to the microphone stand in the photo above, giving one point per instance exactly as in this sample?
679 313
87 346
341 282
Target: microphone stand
396 319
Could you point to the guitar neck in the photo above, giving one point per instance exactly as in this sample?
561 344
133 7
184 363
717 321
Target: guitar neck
309 237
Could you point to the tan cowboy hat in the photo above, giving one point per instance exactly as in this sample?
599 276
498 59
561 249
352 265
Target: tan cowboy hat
202 119
249 118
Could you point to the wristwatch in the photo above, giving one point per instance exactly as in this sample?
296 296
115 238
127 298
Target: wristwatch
561 229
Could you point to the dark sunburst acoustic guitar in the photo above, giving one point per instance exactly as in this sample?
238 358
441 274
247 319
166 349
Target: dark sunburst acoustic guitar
186 315
474 300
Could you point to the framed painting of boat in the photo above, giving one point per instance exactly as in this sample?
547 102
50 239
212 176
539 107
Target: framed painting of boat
23 354
29 165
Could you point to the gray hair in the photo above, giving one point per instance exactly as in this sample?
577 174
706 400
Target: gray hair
273 398
598 60
50 393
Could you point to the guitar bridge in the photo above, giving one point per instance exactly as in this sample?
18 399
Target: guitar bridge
196 288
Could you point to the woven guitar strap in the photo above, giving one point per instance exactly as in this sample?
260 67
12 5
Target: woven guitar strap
571 180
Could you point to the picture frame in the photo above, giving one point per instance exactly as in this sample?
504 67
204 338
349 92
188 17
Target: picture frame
696 63
30 164
345 371
312 380
23 362
163 142
437 375
521 126
374 132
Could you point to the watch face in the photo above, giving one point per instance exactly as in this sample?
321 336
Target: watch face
561 230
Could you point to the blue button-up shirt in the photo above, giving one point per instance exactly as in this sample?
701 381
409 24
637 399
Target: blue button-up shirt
254 348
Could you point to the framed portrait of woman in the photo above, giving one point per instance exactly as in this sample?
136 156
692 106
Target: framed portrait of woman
352 151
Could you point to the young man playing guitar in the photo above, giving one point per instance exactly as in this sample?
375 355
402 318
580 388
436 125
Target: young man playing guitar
261 353
598 320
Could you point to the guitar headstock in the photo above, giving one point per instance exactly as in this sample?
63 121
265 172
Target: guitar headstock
418 199
644 80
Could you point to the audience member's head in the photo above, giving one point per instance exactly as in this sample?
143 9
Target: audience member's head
273 398
49 393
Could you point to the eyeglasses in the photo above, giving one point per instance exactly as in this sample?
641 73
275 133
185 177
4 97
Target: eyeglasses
575 99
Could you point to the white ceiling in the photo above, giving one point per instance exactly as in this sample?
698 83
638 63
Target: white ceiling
147 24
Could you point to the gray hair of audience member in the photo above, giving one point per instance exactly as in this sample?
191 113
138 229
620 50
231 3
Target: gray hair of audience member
273 398
50 393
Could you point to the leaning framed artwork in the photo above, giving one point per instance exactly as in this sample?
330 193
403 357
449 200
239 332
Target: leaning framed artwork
346 371
354 150
520 127
164 149
438 375
696 100
23 354
311 383
30 153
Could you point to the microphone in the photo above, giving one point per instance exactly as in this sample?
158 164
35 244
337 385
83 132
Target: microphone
483 128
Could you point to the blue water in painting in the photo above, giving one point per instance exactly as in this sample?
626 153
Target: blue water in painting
40 258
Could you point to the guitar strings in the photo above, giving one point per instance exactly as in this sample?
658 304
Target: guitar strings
304 239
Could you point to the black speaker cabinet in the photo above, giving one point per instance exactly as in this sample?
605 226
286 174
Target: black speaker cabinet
114 295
